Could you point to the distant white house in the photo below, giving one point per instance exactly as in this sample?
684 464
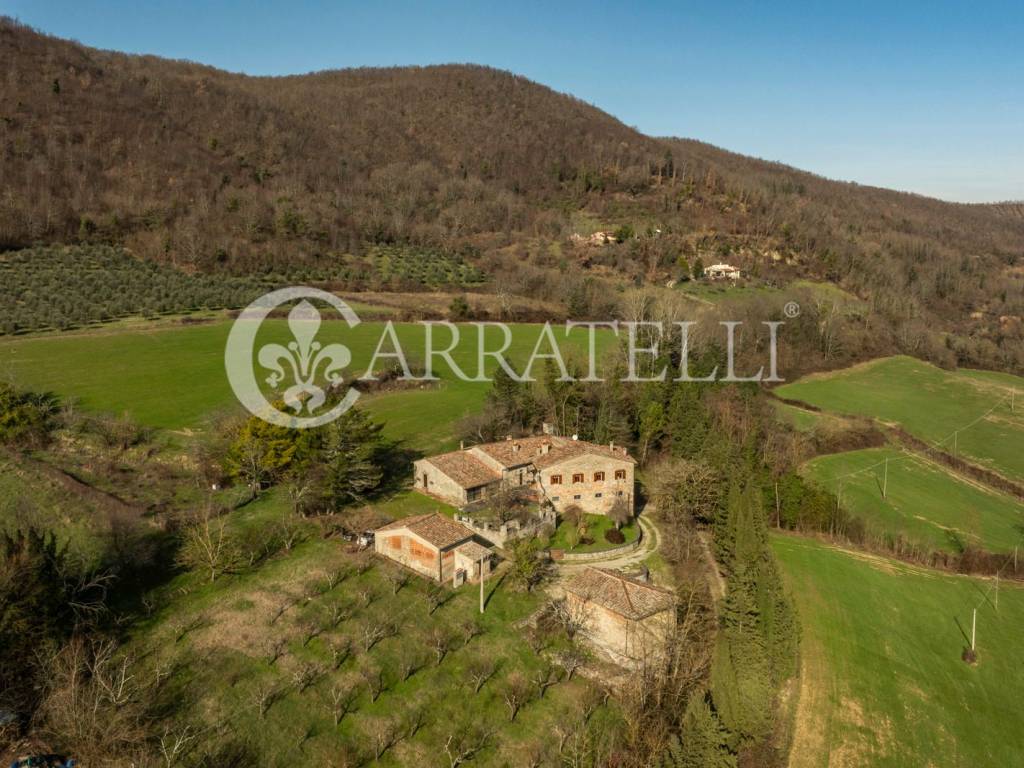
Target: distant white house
722 272
596 239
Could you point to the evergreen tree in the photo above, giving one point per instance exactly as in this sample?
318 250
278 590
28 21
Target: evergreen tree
353 458
35 610
702 742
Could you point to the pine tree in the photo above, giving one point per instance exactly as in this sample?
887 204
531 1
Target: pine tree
702 742
352 456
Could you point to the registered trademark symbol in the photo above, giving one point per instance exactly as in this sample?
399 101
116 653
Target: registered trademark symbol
791 310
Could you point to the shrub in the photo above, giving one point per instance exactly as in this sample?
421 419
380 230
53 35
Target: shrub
614 536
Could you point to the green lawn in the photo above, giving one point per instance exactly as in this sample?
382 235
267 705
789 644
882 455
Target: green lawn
883 683
597 525
925 503
930 403
173 377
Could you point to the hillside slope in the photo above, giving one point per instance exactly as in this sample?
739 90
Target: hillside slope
216 171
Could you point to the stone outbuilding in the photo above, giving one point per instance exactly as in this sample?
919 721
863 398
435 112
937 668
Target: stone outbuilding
436 547
628 618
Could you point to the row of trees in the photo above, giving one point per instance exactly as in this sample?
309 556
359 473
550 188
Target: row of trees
66 287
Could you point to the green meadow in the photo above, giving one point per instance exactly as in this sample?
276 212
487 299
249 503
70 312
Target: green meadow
924 503
931 404
173 377
883 683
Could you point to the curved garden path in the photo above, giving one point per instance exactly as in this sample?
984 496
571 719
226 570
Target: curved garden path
648 545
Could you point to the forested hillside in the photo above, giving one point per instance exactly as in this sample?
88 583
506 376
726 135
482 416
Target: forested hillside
213 171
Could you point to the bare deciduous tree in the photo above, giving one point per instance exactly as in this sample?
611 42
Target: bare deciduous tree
516 692
373 677
544 677
464 742
441 641
343 697
480 669
571 660
276 648
398 578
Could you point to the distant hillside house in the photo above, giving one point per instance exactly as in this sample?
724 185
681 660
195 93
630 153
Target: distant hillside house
628 618
434 546
596 239
560 470
722 272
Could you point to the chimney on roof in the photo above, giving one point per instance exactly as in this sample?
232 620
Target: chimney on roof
515 447
545 448
462 445
611 445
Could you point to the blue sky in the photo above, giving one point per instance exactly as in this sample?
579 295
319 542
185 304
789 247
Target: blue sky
917 95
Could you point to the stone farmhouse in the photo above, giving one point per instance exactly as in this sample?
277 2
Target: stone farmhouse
436 547
723 272
625 617
559 470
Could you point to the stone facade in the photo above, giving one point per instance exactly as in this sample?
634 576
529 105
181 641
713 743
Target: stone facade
559 470
590 481
435 547
628 619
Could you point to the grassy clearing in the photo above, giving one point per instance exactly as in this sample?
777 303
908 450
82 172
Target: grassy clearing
809 421
173 377
29 498
830 292
925 503
716 291
597 526
882 682
930 403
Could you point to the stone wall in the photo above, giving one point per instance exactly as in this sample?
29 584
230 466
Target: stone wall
410 551
581 557
628 641
500 534
592 496
437 484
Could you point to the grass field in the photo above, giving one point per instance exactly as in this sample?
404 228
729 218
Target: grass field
930 403
173 377
883 683
925 503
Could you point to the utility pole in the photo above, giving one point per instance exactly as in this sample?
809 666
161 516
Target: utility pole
481 583
997 591
885 480
974 626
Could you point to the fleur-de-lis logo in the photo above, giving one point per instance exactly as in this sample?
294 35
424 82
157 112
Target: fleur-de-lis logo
304 367
304 356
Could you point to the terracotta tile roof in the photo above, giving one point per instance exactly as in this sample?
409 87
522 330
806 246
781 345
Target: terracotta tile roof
435 528
547 450
472 550
620 593
465 469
